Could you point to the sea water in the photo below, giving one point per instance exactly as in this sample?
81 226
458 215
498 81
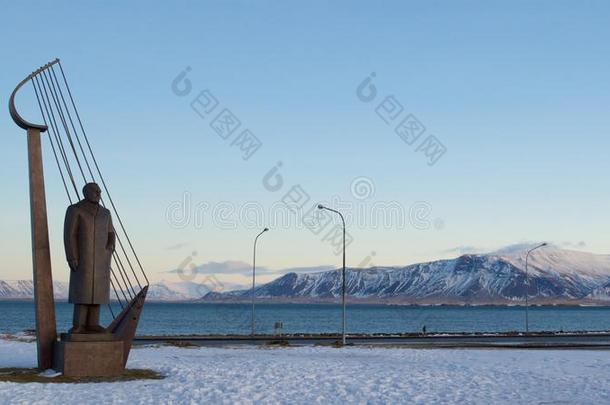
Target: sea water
212 318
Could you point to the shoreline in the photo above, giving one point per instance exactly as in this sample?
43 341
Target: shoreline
266 301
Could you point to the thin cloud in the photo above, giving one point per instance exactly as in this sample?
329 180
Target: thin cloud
177 246
228 267
461 250
244 269
512 248
573 245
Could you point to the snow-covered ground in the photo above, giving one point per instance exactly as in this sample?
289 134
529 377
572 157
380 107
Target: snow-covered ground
324 375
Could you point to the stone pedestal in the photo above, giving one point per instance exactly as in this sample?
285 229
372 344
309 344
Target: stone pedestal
89 355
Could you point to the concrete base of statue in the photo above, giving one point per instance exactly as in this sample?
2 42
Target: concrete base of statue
89 355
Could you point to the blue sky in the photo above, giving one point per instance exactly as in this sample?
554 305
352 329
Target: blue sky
518 93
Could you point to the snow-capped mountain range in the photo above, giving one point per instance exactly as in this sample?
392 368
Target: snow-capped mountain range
24 289
206 277
161 291
555 276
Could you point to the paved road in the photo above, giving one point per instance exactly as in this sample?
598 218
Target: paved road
532 341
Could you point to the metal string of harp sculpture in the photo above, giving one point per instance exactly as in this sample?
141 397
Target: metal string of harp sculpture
100 351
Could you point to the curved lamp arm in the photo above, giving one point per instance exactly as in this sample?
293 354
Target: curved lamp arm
323 207
532 249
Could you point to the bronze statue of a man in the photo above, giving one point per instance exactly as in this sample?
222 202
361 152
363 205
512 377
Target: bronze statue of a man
89 240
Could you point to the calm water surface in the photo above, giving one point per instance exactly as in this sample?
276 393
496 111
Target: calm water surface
180 318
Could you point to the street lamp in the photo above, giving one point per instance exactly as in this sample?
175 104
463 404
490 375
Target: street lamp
321 207
527 286
254 275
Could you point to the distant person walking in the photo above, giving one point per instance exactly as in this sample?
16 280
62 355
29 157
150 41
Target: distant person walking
423 330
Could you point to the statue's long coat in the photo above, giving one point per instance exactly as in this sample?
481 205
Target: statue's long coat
89 240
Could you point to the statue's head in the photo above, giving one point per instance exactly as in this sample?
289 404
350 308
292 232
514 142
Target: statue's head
92 193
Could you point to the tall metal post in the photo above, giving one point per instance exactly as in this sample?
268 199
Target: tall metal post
322 207
344 285
254 278
527 286
527 293
46 332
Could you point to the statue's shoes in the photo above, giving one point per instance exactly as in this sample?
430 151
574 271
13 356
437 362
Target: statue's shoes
95 329
77 330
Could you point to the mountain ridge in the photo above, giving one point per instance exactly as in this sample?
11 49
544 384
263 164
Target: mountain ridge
556 276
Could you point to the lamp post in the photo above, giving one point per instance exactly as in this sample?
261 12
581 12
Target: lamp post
527 285
321 207
254 274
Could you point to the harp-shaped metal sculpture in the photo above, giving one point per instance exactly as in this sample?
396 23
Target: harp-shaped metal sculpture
76 163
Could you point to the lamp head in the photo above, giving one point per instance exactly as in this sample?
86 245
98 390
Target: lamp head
544 244
265 230
320 207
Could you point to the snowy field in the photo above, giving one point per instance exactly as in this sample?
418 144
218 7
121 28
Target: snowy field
324 375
